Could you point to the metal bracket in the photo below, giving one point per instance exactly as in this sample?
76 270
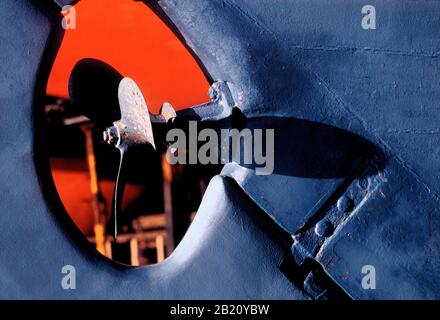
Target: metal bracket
327 222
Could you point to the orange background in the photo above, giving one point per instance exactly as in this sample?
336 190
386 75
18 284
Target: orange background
129 36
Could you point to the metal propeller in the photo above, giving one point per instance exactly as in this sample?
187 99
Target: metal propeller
116 105
133 129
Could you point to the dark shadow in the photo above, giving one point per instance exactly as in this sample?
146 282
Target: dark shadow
93 90
310 149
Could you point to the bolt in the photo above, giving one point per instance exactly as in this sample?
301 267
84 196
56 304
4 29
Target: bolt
111 135
213 93
345 204
363 183
324 228
167 111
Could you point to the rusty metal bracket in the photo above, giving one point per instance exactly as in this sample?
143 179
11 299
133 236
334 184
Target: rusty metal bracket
327 222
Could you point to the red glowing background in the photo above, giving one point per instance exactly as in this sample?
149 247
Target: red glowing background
129 36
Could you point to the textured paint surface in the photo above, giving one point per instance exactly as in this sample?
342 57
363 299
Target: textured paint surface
312 60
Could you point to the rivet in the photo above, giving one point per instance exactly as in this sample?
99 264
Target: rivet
345 204
324 228
363 183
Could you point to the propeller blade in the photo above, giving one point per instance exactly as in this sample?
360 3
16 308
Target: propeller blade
116 103
133 129
118 194
93 90
135 125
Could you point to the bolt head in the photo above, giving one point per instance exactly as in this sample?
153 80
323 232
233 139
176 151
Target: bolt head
110 135
345 204
213 93
324 228
363 183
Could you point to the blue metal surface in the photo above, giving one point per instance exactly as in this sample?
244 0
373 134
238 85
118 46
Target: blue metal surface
312 68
